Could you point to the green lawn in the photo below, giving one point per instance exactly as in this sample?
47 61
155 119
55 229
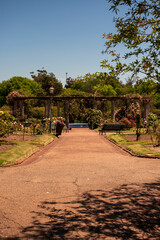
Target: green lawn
137 147
20 150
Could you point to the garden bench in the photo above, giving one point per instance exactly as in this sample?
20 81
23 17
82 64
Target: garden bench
111 126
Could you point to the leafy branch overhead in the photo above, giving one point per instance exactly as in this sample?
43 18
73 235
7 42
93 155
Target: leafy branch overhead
139 32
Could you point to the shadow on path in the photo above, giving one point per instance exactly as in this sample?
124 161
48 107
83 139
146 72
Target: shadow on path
127 212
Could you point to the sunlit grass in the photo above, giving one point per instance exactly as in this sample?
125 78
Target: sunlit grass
17 153
43 139
21 150
136 147
139 149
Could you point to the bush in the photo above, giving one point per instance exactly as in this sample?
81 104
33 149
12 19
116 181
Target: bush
154 132
151 119
94 118
6 124
37 112
126 122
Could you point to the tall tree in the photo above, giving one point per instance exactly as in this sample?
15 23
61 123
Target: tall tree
47 80
23 85
92 83
69 82
139 31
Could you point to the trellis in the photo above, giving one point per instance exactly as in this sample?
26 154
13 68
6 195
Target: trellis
19 103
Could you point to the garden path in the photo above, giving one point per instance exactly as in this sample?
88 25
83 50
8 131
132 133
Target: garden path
82 187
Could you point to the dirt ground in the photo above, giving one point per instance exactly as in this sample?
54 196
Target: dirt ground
132 138
15 138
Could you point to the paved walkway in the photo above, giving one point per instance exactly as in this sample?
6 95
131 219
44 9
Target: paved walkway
83 187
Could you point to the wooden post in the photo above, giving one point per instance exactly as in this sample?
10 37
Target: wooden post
15 107
146 107
47 108
112 110
22 109
95 104
103 107
67 112
58 109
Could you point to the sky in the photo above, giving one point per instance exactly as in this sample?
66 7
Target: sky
61 36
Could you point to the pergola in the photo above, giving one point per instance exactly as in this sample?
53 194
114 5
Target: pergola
19 102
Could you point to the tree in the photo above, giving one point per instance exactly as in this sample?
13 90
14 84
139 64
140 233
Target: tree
24 86
90 83
105 90
139 32
47 80
69 82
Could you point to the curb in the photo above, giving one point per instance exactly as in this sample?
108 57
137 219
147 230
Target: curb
41 149
131 153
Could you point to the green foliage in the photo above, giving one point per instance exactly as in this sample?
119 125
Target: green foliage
6 124
153 128
139 32
154 132
98 82
23 85
94 118
72 92
146 87
46 80
126 122
37 112
69 82
151 119
105 90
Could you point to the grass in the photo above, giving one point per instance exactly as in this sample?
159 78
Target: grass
136 147
139 149
17 153
117 138
20 150
44 139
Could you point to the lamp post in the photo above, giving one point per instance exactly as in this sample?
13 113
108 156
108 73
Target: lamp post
51 91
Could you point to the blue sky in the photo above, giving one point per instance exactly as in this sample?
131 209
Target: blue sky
59 35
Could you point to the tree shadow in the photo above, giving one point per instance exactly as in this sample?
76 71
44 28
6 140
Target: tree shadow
127 212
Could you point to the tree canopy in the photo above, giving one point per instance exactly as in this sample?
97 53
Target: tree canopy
139 32
47 80
98 82
23 85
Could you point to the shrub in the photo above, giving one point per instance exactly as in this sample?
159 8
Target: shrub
126 122
151 119
6 124
37 112
154 132
94 118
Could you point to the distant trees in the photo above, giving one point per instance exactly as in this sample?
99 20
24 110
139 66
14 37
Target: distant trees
46 80
99 82
69 82
23 85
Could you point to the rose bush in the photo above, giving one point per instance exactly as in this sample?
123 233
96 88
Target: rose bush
94 118
6 124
